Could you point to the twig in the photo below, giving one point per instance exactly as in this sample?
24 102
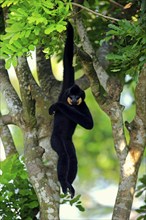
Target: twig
93 12
116 3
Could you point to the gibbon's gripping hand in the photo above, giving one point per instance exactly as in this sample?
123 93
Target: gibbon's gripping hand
52 109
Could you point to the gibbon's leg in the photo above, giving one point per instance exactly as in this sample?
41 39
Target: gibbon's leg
63 161
72 161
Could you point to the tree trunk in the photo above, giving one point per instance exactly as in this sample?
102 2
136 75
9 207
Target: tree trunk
129 155
31 115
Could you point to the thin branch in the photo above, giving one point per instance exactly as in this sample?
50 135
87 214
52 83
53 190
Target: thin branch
116 3
93 12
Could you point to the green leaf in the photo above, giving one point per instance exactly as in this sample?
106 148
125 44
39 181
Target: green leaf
8 63
14 61
33 204
14 38
17 44
15 27
50 29
48 4
75 200
81 208
7 165
31 47
27 33
11 47
60 28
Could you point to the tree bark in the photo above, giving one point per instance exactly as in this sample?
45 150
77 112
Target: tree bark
130 165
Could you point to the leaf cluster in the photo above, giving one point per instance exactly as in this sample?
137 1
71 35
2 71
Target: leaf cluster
30 24
75 201
129 46
17 197
141 189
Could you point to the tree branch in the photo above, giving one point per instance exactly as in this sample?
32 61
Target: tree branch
6 137
87 46
12 99
130 167
95 13
117 4
28 102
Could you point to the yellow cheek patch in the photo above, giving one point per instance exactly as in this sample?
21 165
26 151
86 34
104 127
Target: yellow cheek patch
79 101
69 101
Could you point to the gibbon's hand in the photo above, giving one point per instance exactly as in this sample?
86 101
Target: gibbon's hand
52 109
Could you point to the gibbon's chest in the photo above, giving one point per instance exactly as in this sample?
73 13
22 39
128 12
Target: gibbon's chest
63 125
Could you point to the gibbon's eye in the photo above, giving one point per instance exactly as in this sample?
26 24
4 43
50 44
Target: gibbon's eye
74 100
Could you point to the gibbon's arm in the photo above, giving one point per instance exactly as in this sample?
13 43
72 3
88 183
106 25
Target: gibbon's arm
68 75
79 114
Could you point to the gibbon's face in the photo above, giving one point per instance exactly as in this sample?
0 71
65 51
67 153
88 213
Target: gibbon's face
75 95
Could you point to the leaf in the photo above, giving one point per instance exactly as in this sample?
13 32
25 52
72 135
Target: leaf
16 27
7 165
31 47
139 193
14 38
75 200
81 208
27 33
114 27
50 29
60 28
7 50
11 47
33 204
37 30
8 63
14 61
48 4
17 44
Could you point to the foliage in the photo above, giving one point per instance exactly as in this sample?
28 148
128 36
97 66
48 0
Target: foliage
142 190
129 45
30 24
17 197
75 201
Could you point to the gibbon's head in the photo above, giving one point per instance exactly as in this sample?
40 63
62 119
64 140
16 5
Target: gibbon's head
75 95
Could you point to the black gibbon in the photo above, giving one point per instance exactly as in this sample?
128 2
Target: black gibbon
69 110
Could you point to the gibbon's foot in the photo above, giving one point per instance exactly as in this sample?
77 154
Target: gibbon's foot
68 187
71 190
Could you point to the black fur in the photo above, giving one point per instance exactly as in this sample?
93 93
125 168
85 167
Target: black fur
68 113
